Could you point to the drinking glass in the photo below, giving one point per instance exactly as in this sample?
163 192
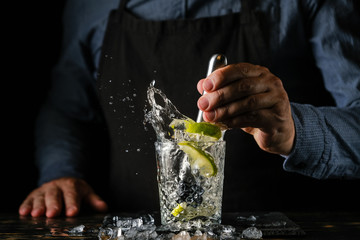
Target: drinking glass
185 193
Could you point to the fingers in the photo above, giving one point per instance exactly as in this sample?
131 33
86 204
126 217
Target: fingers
234 82
200 87
50 198
235 91
262 118
53 202
26 206
45 200
76 191
241 96
248 109
33 205
71 197
249 97
230 73
96 202
38 206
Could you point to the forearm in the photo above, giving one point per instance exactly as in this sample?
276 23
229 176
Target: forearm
326 143
64 145
57 152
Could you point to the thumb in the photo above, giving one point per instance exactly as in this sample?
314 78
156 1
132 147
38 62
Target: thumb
199 86
96 202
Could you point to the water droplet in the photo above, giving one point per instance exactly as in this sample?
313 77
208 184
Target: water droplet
126 99
110 81
110 103
138 149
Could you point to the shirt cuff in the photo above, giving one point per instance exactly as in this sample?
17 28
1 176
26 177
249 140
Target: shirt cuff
55 163
310 146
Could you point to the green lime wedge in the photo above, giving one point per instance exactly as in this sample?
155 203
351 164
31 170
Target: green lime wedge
199 159
207 129
179 208
181 123
198 132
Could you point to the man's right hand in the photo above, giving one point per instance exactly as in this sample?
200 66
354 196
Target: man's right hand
67 192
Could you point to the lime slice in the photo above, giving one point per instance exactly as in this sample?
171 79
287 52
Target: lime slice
210 130
181 123
198 132
179 208
199 159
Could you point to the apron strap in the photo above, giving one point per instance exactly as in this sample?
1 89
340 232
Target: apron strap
246 12
122 4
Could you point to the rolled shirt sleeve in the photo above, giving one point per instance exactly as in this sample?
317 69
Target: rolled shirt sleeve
71 116
327 142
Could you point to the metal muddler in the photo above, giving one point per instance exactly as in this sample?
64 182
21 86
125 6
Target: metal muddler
216 61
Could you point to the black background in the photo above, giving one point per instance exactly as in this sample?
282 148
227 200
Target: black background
31 40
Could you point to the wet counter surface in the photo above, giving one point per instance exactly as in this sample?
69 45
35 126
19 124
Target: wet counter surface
274 225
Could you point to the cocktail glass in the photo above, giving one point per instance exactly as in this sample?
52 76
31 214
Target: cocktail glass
186 193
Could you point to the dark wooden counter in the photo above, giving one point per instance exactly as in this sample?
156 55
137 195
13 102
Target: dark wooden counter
316 225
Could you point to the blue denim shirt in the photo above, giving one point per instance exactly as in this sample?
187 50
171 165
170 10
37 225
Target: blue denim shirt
327 140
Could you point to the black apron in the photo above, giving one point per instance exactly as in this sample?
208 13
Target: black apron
175 54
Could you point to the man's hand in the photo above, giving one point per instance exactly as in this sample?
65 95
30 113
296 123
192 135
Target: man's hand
250 97
50 198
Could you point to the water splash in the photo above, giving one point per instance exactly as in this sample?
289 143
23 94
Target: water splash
162 113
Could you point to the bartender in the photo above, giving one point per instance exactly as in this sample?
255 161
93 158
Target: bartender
290 96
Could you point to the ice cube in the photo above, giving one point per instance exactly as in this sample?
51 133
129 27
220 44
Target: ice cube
198 233
128 223
252 233
227 231
165 236
211 234
196 224
131 233
147 219
136 223
105 233
77 229
153 235
148 227
174 227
